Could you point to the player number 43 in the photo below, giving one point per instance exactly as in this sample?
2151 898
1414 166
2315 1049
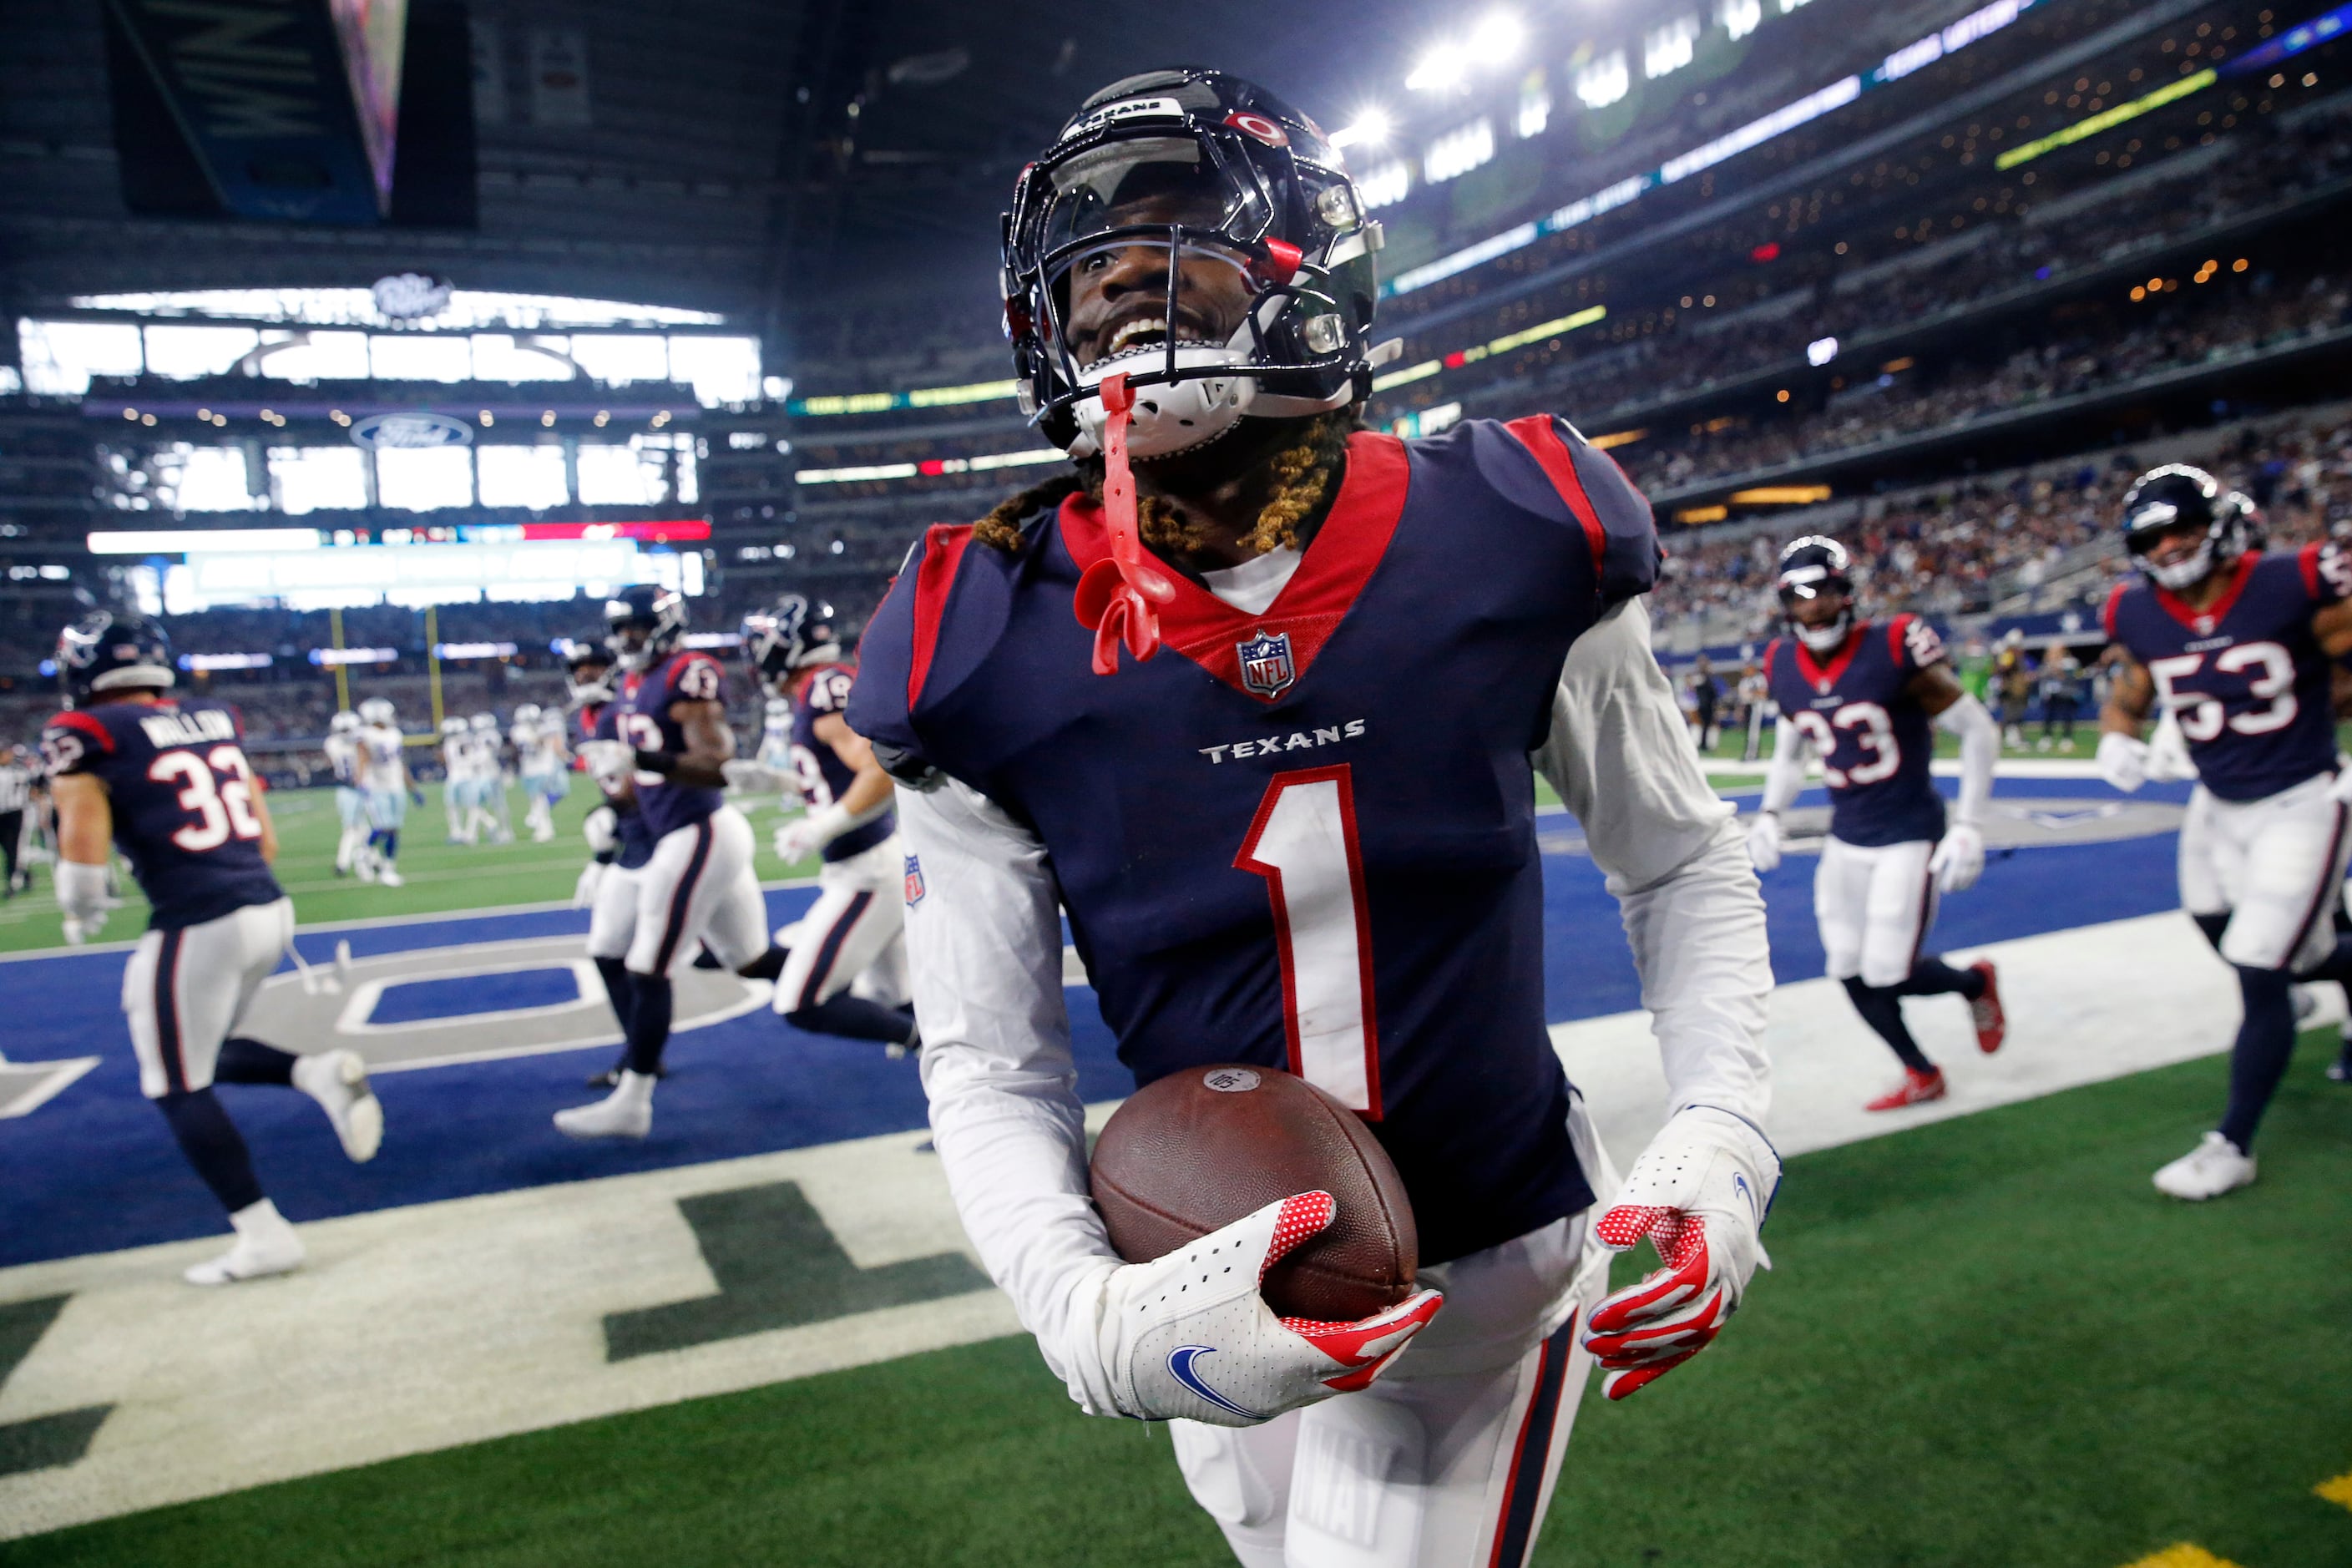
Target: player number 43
1303 841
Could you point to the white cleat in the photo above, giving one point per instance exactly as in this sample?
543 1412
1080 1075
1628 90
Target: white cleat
626 1112
2215 1166
338 1080
365 864
388 876
265 1245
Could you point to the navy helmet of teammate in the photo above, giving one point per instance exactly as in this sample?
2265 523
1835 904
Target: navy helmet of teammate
846 970
2234 643
168 784
1274 850
1865 699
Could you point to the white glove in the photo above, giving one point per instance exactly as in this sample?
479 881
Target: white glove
1764 840
755 777
608 762
1189 1335
84 899
803 835
1958 860
2167 752
1700 1192
602 829
583 891
2123 760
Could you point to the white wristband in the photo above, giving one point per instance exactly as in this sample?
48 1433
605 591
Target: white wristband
82 890
824 827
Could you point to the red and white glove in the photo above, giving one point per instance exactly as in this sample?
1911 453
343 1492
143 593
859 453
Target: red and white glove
1700 1192
1189 1335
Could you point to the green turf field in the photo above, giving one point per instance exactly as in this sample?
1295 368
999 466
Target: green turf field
1989 1342
438 876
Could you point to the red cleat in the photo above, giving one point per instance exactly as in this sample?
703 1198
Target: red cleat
1992 1023
1916 1089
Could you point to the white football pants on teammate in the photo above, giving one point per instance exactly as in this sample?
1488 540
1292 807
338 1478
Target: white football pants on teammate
2274 866
853 937
1873 907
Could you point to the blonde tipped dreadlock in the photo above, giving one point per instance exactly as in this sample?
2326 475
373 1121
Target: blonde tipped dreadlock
1302 478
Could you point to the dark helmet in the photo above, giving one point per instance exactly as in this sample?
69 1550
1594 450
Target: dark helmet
1200 162
660 611
113 650
587 662
1815 567
2178 496
789 635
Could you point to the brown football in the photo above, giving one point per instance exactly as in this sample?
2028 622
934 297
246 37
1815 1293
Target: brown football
1200 1148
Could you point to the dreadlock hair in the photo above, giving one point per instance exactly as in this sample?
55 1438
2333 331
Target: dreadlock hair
1302 480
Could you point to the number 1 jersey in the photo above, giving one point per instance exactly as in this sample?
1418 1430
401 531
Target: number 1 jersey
2250 682
182 797
1305 838
1874 739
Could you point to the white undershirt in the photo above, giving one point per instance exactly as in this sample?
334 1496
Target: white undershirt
1254 584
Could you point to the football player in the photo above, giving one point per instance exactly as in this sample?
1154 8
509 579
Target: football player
775 735
343 748
847 972
540 758
490 812
456 754
1863 698
383 779
168 783
617 846
17 776
2236 642
696 886
1181 693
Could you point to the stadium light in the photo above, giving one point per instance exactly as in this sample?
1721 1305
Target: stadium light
1441 66
1821 350
1371 126
1496 39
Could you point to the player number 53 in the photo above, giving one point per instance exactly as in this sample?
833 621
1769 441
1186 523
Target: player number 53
2203 718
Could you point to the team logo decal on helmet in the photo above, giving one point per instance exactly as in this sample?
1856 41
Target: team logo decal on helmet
790 634
2177 498
107 650
1197 235
1815 568
659 611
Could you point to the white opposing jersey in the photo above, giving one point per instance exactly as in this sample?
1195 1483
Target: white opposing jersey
343 756
380 757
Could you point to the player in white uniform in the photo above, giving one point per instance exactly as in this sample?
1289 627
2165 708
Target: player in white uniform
540 758
454 750
383 779
490 792
343 748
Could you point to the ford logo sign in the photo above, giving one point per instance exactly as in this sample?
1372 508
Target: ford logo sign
388 430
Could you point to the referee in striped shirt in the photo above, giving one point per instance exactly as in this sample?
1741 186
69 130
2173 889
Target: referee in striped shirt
15 796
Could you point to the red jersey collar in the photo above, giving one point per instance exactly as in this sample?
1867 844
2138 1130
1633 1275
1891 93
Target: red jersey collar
1823 677
2202 622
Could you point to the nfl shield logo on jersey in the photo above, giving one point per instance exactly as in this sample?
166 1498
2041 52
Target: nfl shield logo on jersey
915 889
1267 669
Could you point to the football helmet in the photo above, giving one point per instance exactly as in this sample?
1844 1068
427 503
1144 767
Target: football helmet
1227 260
377 711
587 669
779 712
655 613
1811 568
113 650
525 715
2175 497
484 723
344 722
453 725
790 634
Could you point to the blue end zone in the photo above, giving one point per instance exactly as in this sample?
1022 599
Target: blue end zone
413 1001
95 1170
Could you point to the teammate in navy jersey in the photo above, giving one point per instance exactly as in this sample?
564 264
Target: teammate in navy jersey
168 783
2236 644
696 887
847 974
1257 697
1866 698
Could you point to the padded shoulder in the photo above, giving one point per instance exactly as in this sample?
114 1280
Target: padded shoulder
1581 486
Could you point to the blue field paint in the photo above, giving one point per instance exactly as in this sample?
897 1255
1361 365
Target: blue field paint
95 1170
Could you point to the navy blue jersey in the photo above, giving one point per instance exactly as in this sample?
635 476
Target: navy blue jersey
1874 738
2248 679
182 799
629 822
825 778
646 722
1273 845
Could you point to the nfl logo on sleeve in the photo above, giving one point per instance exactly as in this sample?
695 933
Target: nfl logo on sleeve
915 889
1267 669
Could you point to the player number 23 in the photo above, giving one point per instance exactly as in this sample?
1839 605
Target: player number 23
1871 730
222 806
2203 718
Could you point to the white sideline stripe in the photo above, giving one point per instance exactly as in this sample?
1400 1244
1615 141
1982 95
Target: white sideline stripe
37 1082
477 1318
1942 767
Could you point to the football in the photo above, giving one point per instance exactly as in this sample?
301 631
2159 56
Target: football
1200 1148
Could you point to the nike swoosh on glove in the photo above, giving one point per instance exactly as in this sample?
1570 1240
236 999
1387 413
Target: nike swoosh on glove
2123 760
1958 860
1189 1335
1764 841
1700 1192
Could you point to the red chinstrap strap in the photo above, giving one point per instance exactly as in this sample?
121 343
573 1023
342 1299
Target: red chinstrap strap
1115 597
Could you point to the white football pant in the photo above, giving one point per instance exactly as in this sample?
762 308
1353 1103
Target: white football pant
351 805
387 808
854 935
1873 907
2272 866
184 991
698 888
613 918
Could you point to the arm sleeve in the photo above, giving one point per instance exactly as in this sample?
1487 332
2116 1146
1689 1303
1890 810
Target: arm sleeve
1784 776
1621 758
984 944
1979 750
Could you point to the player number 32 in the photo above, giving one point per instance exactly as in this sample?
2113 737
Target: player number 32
216 790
